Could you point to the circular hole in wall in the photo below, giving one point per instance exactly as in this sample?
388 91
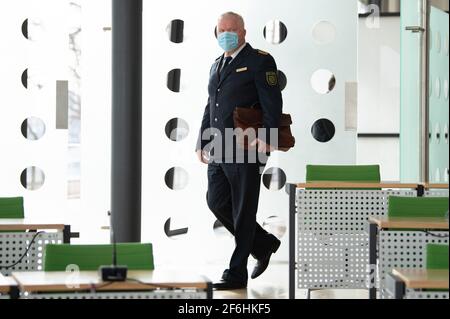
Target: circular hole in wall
174 80
33 128
437 88
25 28
176 178
33 29
177 129
437 133
275 32
324 32
24 78
175 30
323 130
174 232
275 225
32 178
274 179
446 45
323 81
282 80
34 79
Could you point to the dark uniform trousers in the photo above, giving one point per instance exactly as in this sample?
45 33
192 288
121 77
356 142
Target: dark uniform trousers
233 188
233 195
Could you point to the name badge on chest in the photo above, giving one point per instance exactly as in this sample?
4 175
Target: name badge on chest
241 70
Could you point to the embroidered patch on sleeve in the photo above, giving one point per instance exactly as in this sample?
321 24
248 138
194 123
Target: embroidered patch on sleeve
272 78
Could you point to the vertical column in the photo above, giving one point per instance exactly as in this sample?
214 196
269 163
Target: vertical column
126 148
424 92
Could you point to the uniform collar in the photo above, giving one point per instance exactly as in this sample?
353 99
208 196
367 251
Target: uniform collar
236 53
240 52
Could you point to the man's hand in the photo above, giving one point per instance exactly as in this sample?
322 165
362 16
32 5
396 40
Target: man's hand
203 156
262 146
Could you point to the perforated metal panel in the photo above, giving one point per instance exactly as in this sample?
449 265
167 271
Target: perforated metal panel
158 294
437 193
14 245
403 249
333 241
414 294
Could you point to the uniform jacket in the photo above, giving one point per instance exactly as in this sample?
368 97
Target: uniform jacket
250 78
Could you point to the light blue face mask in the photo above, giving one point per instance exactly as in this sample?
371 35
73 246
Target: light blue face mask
228 41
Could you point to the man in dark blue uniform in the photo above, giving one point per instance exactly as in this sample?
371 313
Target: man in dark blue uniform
241 77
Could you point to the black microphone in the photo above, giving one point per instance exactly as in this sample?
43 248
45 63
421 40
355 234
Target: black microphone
114 272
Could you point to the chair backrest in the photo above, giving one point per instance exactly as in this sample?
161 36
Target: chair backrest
91 257
437 256
417 206
343 173
12 208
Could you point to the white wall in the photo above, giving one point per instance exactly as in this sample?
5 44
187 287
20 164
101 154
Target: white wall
379 94
46 59
95 122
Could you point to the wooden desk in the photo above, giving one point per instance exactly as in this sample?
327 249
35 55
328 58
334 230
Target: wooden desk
409 223
395 224
401 279
86 281
423 278
24 224
436 186
7 285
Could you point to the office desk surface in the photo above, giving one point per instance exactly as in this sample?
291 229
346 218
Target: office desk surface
410 223
436 186
25 224
6 283
87 280
423 278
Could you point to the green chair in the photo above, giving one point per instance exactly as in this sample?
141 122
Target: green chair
11 208
91 257
417 206
437 256
342 173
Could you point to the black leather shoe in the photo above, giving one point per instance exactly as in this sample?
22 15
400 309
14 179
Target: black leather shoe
261 265
228 285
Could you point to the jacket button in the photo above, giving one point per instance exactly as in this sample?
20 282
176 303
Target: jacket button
217 104
215 119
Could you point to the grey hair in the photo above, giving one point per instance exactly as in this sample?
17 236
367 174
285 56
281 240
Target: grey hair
238 17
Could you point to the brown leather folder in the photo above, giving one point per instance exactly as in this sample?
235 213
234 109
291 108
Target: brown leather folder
252 118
